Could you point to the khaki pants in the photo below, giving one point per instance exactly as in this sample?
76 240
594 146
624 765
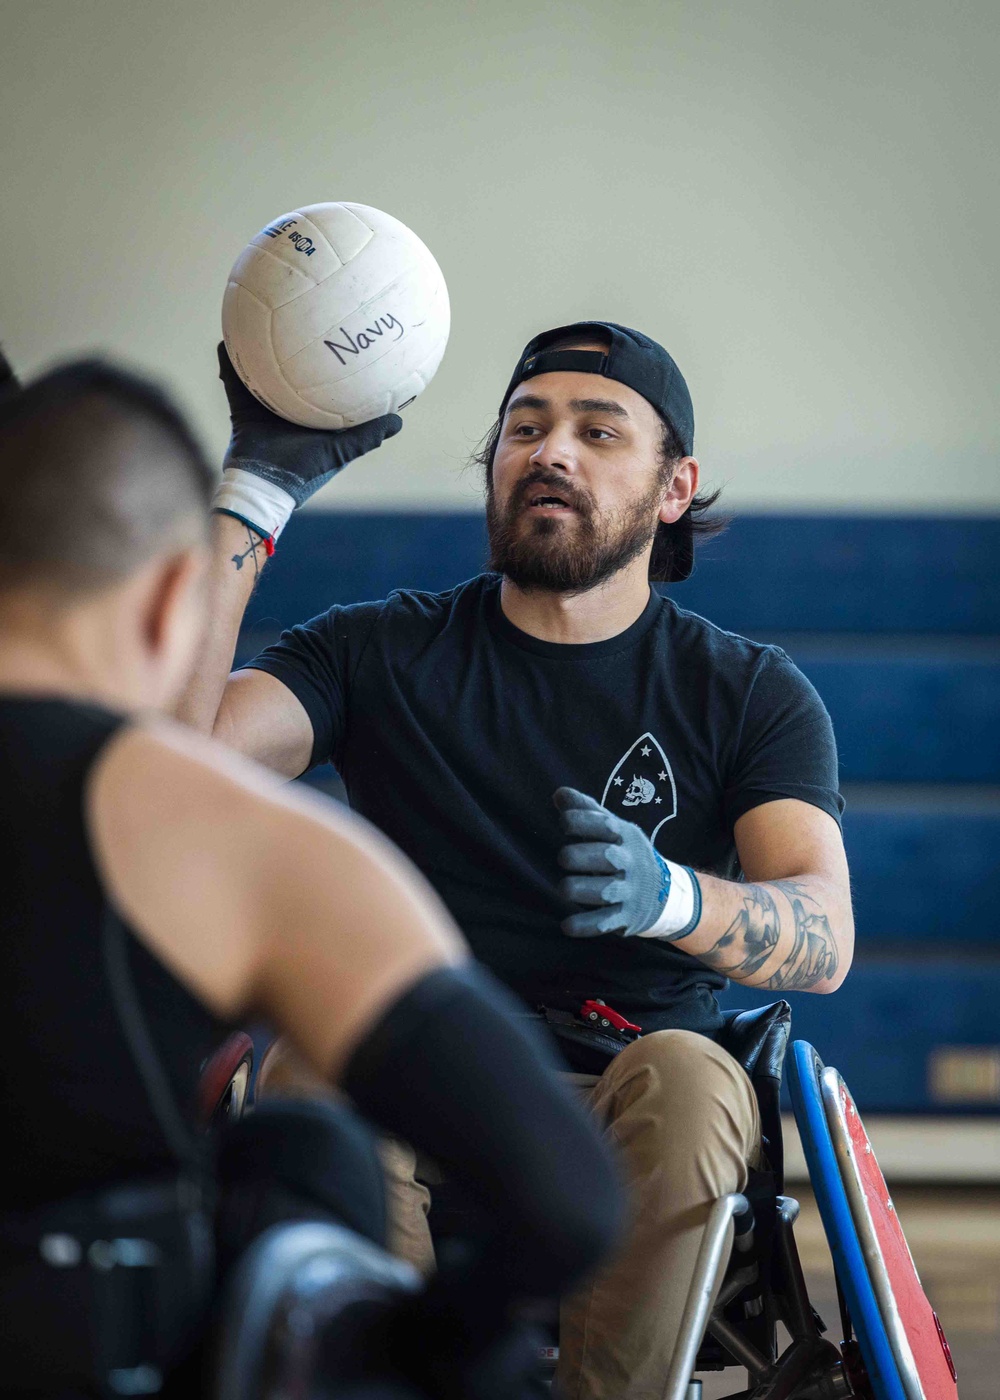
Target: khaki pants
683 1118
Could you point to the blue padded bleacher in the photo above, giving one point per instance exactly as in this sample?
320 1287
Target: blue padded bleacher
766 574
326 558
896 622
888 1019
896 842
923 712
868 575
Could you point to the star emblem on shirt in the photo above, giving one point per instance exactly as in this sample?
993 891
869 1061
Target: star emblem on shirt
645 750
658 800
663 777
618 782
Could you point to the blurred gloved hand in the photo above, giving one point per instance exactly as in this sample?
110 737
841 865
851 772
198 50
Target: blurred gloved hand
272 465
617 870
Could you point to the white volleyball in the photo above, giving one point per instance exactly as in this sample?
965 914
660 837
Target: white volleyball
335 314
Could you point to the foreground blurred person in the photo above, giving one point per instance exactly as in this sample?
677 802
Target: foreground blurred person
159 888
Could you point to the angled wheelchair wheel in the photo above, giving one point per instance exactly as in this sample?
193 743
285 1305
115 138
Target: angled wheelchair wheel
225 1081
303 1315
902 1346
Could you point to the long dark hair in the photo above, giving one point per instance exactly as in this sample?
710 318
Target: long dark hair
703 525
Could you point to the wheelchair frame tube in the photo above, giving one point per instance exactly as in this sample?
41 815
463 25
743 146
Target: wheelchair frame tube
899 1342
708 1273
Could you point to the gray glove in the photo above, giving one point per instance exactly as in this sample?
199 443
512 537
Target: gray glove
615 868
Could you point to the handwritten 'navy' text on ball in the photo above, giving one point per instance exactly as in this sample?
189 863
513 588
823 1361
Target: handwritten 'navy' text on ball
364 339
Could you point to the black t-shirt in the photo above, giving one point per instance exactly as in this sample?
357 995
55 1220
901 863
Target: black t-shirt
451 729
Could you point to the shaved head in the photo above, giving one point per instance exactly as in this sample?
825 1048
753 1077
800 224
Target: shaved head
98 473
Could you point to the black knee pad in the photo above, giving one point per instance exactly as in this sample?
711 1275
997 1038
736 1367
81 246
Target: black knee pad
297 1160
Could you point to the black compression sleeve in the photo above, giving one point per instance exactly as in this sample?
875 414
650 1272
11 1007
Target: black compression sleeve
454 1069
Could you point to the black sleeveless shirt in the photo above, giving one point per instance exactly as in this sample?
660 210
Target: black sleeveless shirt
75 1109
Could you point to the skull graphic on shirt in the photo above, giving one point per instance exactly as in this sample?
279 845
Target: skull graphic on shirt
639 790
641 787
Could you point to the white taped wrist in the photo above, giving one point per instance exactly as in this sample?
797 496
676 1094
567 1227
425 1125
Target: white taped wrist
260 503
682 911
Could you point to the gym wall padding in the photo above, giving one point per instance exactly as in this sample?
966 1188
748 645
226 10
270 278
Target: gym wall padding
923 712
897 623
898 843
889 1020
766 574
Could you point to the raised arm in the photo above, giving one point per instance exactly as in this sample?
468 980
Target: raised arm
272 466
789 929
264 720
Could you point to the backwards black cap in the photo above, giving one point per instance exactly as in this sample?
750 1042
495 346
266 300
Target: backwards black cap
633 359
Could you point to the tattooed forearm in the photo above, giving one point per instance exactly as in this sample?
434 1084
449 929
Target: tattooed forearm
752 938
254 542
814 953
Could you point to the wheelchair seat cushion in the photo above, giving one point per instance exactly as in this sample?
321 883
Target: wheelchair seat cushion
757 1039
586 1049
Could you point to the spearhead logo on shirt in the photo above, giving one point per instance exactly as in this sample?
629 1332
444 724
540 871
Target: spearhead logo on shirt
641 788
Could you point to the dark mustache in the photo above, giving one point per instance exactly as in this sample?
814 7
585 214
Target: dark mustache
556 485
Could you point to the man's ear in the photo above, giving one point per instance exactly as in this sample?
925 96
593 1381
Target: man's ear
177 576
681 491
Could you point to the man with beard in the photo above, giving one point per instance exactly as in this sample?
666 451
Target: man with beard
559 749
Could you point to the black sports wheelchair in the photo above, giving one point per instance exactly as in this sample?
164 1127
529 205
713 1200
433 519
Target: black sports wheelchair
311 1308
737 1298
892 1344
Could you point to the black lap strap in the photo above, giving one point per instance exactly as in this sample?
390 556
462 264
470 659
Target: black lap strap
586 1049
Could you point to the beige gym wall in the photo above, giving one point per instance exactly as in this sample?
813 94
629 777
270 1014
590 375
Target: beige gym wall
799 198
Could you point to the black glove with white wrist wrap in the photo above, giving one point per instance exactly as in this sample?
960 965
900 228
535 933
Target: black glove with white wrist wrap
272 465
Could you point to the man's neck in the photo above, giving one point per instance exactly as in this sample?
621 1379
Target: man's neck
79 657
31 671
576 618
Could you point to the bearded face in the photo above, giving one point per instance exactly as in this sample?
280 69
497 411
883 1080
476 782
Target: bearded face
576 481
550 533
